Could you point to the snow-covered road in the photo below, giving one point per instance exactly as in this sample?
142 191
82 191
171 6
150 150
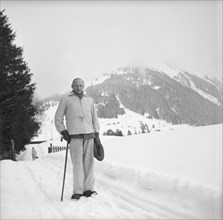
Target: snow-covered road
38 191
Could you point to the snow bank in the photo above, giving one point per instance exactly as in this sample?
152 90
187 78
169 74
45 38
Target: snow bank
193 154
184 198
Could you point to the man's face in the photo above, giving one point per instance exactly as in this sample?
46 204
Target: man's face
78 86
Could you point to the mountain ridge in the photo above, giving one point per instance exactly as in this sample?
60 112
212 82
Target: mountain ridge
177 97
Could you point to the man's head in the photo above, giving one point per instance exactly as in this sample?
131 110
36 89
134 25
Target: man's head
78 85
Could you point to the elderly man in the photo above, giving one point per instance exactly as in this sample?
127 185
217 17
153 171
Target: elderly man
82 126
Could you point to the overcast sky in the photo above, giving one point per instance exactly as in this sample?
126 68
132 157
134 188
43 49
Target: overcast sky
67 39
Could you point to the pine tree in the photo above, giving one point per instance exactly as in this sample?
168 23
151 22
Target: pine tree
18 113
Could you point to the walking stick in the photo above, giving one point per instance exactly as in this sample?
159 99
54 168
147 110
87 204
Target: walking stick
65 167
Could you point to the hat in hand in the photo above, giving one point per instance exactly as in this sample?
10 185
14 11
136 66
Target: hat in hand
98 151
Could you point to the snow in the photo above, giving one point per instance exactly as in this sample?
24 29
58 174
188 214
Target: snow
100 79
173 72
156 87
167 69
173 174
131 121
204 94
48 130
209 80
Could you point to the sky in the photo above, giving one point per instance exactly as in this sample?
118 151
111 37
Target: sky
63 40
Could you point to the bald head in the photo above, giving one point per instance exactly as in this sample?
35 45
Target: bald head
78 85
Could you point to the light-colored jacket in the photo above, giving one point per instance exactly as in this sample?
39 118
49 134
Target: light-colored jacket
80 115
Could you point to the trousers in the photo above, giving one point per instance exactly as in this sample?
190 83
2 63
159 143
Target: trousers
82 157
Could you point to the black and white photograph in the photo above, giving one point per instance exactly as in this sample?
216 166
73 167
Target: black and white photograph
111 109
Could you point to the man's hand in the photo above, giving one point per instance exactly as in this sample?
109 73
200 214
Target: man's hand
66 136
97 139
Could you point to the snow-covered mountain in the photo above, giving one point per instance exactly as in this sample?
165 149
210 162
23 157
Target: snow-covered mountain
165 93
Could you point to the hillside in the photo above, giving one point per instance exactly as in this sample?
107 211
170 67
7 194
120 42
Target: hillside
172 95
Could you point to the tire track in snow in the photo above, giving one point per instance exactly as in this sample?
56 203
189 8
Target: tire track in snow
117 201
53 206
150 207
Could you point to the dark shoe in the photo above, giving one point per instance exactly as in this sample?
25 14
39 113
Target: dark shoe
76 196
89 193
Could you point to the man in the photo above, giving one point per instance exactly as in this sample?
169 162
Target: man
82 126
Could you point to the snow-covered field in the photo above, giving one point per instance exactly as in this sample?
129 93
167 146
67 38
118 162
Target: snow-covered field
173 174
